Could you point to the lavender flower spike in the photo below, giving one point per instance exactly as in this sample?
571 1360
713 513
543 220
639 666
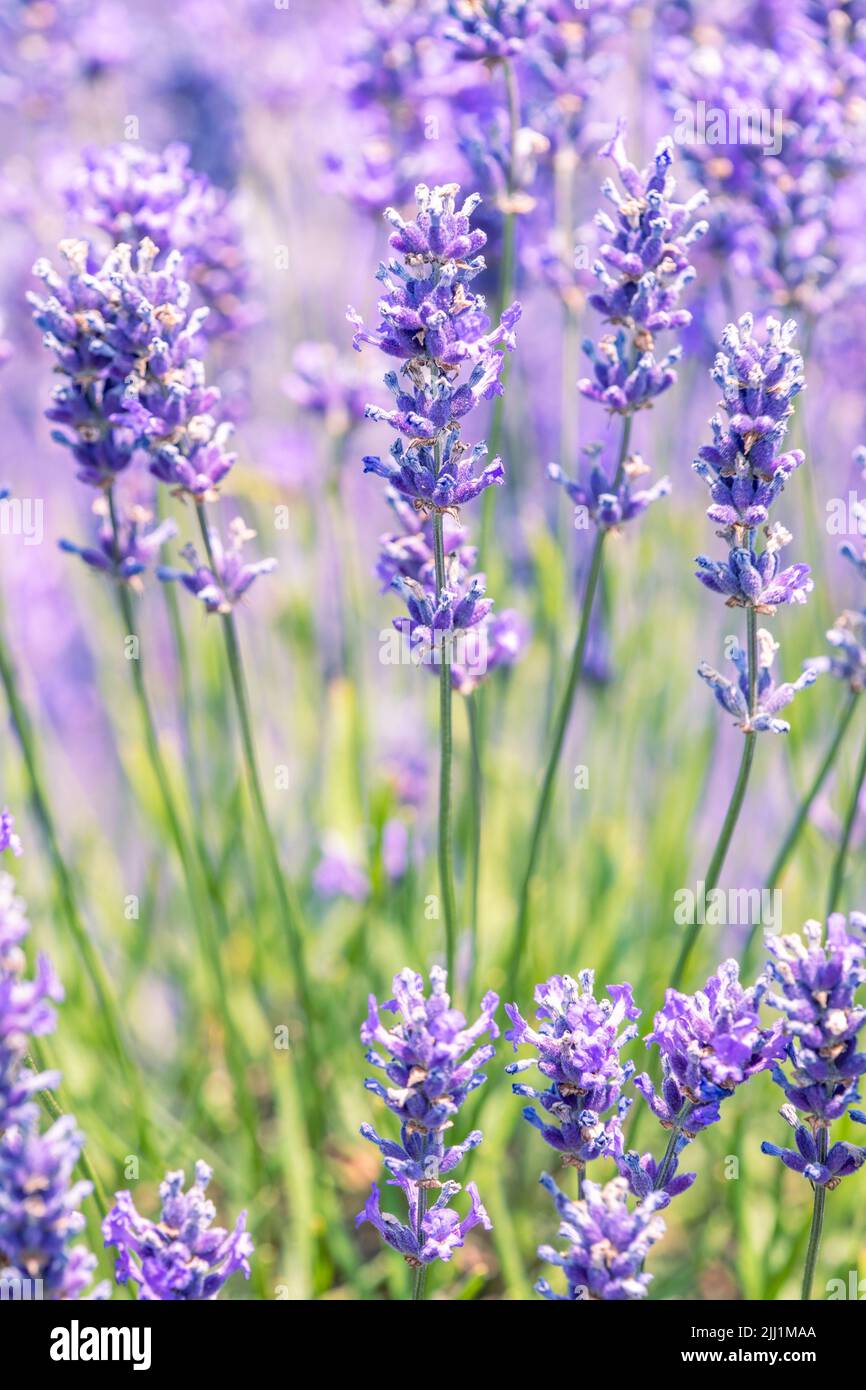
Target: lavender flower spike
642 271
607 1243
733 695
432 1064
710 1042
579 1044
182 1256
8 838
224 579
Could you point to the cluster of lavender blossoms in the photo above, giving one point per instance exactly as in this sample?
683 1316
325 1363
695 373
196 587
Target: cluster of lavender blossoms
813 984
710 1042
126 341
432 1064
432 322
182 1256
40 1205
745 473
642 270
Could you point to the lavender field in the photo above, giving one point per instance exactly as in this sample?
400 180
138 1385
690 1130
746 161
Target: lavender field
432 650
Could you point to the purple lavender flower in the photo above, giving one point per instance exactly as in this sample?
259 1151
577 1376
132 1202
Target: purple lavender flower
130 193
642 272
222 581
813 985
579 1044
606 505
733 695
441 1229
183 1256
432 1063
710 1043
607 1243
490 30
749 580
643 1173
8 838
328 386
847 637
432 322
40 1209
840 1160
132 551
26 1010
338 875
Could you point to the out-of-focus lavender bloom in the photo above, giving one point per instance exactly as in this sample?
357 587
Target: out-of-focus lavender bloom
710 1043
431 1063
134 549
395 848
847 637
813 984
40 1210
773 136
131 193
328 386
8 838
338 875
642 271
441 1229
733 695
608 507
578 1043
491 30
607 1242
183 1256
222 580
435 325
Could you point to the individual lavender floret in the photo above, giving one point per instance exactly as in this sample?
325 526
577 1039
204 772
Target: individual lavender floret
442 1231
8 838
490 30
733 695
749 580
129 553
183 1256
606 505
223 580
642 271
840 1161
40 1209
578 1043
607 1242
710 1043
642 1173
432 1064
433 323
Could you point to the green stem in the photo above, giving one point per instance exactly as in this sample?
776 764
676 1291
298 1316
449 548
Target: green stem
817 1226
788 844
735 806
107 1008
476 790
545 797
290 912
670 1153
838 874
446 867
421 1271
209 945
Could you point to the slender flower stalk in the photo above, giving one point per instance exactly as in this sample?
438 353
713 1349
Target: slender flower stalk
837 876
745 474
